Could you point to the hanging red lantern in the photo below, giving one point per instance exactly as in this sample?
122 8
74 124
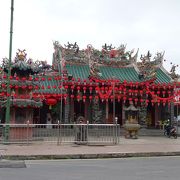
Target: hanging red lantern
51 102
36 79
78 97
23 79
152 102
84 82
78 88
72 96
3 85
72 89
96 98
84 99
164 102
84 89
158 102
65 97
164 92
112 98
97 89
90 89
23 87
30 78
66 87
16 87
147 102
141 92
141 101
30 87
136 101
90 98
124 99
124 91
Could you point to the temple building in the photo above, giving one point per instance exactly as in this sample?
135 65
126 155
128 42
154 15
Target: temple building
99 86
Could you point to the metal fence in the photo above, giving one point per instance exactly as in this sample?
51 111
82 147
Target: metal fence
61 133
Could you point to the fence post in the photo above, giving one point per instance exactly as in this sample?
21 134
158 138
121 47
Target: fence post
58 140
27 132
116 131
87 133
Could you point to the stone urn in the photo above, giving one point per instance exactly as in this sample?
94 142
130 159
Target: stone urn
131 130
131 125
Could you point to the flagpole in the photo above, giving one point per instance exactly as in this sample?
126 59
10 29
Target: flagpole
7 115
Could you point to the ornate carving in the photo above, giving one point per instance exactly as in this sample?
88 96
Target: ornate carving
147 67
173 72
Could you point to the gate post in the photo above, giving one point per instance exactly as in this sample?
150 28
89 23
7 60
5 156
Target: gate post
116 130
87 133
58 138
27 132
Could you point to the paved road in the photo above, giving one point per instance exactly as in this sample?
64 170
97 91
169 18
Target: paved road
154 168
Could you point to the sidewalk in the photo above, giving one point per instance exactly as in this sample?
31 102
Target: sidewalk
144 146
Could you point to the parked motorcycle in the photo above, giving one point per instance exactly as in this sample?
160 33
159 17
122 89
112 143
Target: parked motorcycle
170 131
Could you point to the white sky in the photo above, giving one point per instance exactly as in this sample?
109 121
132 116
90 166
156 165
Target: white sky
145 24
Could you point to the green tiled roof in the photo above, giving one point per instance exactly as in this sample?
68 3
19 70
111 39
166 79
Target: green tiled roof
127 73
162 77
82 72
78 71
50 86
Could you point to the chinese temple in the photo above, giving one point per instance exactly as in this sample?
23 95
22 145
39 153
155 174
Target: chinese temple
96 85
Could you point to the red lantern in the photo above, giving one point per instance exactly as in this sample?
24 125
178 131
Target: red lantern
72 96
78 98
152 102
84 98
90 98
96 98
72 88
78 88
66 87
164 92
97 89
164 102
84 89
51 102
136 100
124 99
147 101
90 89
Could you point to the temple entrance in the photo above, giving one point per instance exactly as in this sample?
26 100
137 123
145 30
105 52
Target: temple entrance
118 112
79 109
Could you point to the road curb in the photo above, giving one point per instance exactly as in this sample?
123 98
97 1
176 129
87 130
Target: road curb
90 156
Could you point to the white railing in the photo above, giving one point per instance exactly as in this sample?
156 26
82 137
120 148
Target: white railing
61 133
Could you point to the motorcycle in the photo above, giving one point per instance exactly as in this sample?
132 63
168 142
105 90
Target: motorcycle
170 131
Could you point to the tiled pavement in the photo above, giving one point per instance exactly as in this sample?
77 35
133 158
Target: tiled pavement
143 146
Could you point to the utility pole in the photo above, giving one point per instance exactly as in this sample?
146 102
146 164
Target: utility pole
7 117
114 102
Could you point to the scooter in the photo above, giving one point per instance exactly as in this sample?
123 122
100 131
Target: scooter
170 131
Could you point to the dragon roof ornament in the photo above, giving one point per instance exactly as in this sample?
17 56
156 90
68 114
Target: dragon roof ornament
147 67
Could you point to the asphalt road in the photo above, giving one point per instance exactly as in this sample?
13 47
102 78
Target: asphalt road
154 168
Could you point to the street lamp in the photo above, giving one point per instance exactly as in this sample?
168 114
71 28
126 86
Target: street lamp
7 116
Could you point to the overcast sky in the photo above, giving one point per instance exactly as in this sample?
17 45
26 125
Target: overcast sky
145 24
